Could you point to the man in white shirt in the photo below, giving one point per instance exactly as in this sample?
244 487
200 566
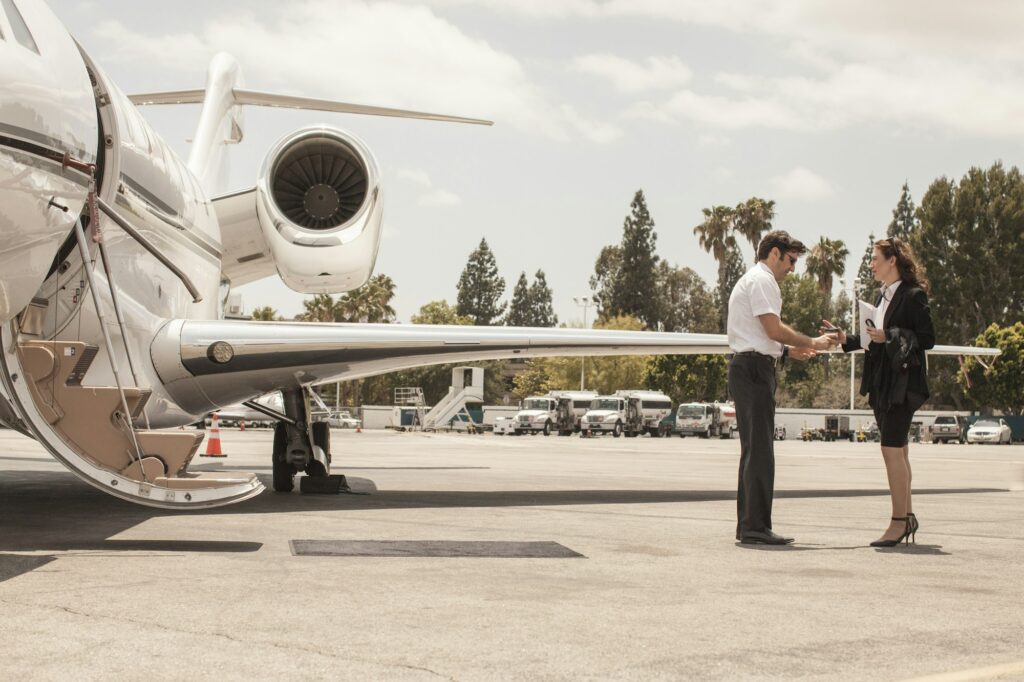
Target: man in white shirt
759 339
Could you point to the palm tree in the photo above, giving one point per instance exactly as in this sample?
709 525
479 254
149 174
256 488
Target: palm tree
752 219
266 314
369 303
827 260
320 308
716 237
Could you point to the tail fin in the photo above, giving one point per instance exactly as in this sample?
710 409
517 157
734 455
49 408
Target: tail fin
220 122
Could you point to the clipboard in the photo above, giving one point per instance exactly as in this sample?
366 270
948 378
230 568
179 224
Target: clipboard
867 312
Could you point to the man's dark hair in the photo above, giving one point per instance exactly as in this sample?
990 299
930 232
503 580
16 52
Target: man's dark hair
779 239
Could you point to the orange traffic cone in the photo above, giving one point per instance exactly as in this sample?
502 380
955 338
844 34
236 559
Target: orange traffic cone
241 425
359 427
213 442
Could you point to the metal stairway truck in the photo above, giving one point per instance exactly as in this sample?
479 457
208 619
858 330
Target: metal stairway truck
467 387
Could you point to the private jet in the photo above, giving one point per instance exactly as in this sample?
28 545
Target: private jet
116 262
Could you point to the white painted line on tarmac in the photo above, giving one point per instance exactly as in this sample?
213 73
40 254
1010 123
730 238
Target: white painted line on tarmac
991 672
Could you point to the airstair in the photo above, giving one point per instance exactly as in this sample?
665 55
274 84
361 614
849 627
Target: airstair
467 387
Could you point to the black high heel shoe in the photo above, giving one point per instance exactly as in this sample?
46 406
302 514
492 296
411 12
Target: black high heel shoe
914 525
904 536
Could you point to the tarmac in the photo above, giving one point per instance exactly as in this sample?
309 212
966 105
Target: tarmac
478 557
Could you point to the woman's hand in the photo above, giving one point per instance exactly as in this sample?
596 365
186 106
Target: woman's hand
877 335
830 329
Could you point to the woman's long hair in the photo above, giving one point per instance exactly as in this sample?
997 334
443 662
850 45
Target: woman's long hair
910 270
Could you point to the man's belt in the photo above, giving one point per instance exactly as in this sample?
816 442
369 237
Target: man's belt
754 354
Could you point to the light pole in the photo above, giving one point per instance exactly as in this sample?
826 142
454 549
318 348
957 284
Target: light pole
853 326
584 302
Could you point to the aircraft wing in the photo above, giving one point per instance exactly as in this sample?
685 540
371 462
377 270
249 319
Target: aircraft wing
192 356
218 362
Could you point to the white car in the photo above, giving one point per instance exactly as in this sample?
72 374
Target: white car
344 420
989 431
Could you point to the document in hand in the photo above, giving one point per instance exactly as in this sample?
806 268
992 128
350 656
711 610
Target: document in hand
867 312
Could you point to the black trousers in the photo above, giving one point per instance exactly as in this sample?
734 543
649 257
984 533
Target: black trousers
752 385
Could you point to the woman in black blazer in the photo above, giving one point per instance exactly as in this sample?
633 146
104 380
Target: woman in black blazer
894 371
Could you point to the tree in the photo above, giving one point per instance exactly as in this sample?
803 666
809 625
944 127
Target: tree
999 385
625 276
688 378
687 303
320 308
804 306
715 237
734 270
533 381
265 314
543 311
903 220
369 303
826 260
520 313
971 243
439 312
605 279
480 287
752 219
603 374
865 278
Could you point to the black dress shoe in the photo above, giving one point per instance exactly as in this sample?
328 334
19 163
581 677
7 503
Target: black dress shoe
753 537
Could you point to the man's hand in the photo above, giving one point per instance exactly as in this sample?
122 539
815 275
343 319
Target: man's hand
830 329
802 354
823 342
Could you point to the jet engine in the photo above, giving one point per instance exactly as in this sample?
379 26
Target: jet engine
319 206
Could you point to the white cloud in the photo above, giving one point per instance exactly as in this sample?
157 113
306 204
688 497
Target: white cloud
595 131
723 174
653 73
415 176
941 64
383 53
711 140
439 197
431 196
801 184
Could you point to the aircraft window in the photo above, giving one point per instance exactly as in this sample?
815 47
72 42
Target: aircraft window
18 25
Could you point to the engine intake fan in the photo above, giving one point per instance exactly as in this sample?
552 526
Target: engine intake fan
319 183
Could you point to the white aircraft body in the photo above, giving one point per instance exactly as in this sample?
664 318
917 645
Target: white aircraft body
115 264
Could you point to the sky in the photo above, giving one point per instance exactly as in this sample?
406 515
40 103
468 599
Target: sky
826 108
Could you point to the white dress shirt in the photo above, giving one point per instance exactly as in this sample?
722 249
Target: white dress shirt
757 293
887 295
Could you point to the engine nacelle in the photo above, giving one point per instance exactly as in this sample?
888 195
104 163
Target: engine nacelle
319 206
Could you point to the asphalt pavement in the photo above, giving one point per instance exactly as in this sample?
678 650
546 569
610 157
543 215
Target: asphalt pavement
484 557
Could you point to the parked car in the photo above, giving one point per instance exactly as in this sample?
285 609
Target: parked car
989 431
344 420
949 429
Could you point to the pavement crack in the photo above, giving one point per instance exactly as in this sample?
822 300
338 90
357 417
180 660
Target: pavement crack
426 670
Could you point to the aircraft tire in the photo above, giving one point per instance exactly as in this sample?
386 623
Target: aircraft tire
284 473
322 437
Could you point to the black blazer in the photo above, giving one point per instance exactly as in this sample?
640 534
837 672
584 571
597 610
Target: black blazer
908 310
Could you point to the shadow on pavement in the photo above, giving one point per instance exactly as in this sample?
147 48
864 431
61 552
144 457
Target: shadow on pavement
13 565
